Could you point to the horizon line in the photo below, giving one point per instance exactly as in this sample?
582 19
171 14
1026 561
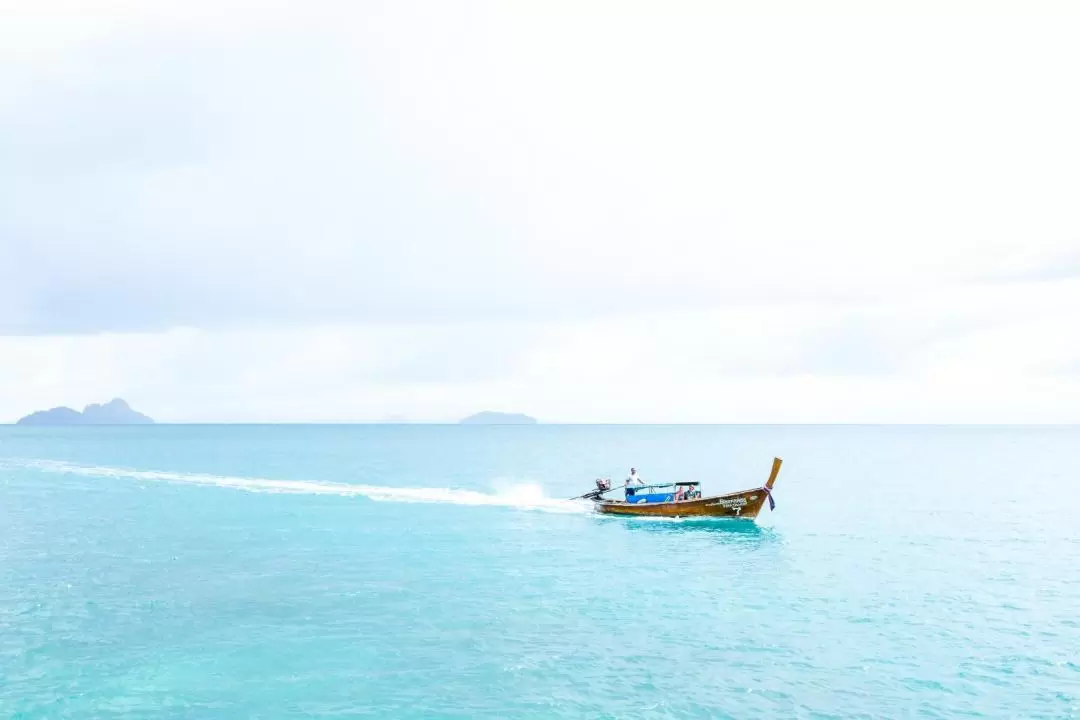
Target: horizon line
449 423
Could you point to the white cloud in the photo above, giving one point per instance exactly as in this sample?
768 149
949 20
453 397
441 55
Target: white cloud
990 354
684 211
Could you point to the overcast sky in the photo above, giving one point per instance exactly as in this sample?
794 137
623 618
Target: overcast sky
589 212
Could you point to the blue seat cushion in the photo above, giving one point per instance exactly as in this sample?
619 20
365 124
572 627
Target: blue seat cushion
651 498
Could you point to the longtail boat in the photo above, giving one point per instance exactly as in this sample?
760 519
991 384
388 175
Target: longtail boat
683 499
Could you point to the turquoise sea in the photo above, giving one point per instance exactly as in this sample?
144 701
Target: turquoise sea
433 572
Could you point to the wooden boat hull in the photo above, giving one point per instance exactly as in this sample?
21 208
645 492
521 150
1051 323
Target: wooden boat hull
743 504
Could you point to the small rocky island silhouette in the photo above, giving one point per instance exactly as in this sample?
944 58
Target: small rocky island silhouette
498 418
114 412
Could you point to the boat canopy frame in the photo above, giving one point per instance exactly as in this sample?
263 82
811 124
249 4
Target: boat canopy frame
636 488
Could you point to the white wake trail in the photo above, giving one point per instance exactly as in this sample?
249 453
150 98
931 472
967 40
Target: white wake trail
529 496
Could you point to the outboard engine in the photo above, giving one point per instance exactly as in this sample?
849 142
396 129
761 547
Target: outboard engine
602 486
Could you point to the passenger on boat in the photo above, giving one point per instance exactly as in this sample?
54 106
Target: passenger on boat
631 481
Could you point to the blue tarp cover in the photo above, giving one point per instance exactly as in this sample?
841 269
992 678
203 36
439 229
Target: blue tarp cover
651 498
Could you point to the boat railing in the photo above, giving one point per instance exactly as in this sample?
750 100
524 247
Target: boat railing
637 488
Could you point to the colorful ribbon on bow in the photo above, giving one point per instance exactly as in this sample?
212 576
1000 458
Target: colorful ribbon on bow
772 503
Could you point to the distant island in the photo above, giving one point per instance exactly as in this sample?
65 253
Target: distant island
114 412
498 418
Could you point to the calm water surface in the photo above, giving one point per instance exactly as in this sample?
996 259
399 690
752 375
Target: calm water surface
429 571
